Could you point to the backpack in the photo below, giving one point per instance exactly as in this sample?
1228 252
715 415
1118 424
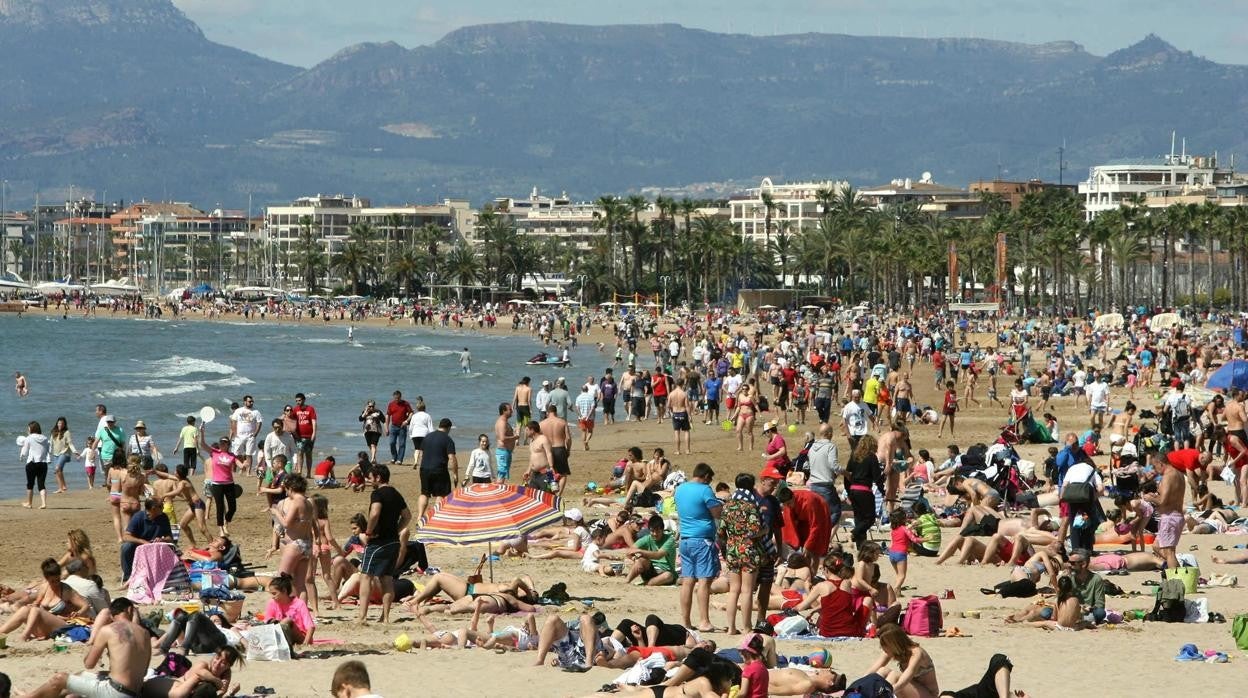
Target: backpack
923 617
870 686
1169 607
1239 631
792 625
1182 408
173 666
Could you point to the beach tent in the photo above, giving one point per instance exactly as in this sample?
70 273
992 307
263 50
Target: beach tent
1232 374
1164 321
1108 321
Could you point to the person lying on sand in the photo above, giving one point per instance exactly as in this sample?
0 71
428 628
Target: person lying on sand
1131 562
1063 613
456 588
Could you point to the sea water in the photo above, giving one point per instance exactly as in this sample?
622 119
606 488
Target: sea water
160 371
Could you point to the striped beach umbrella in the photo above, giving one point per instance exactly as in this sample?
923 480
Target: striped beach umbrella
485 513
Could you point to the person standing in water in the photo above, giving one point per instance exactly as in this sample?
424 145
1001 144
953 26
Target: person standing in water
465 361
20 384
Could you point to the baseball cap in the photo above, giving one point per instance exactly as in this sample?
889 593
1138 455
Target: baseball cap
751 642
762 627
771 472
545 384
110 419
574 514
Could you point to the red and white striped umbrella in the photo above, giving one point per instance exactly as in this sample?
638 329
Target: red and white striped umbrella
486 513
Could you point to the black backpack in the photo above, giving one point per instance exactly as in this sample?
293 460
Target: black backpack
870 686
1169 607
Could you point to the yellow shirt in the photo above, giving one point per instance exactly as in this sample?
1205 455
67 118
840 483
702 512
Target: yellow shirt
189 436
871 391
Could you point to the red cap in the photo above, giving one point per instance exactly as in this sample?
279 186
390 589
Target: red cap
770 471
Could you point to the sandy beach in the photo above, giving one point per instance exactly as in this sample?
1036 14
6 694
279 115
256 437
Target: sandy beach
1134 658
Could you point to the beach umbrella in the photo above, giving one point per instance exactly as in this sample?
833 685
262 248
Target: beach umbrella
1232 374
1164 321
485 513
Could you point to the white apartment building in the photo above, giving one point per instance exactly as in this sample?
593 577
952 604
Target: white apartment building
1111 184
797 204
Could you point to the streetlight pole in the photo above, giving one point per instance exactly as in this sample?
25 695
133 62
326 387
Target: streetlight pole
580 279
431 275
665 279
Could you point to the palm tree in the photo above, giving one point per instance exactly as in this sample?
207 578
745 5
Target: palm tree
1125 249
1210 215
613 213
1235 222
769 208
309 255
636 231
463 265
405 267
18 252
430 236
781 249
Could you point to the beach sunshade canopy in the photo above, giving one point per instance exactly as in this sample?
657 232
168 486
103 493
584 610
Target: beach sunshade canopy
1164 321
1108 321
521 302
607 303
812 307
550 303
486 513
1232 374
767 307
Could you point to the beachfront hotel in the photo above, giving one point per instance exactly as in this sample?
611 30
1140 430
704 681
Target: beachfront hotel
1155 181
795 206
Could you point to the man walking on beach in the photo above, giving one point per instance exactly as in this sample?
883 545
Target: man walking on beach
586 410
505 441
398 415
522 400
558 434
305 434
698 510
539 458
437 461
678 406
560 399
387 532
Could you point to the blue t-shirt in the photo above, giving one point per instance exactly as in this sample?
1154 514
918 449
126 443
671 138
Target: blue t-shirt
712 387
694 502
149 529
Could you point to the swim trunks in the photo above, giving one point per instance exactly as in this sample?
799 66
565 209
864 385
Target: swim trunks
503 457
680 421
1169 529
559 456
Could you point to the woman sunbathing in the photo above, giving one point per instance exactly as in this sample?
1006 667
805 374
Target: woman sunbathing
56 606
1065 612
458 588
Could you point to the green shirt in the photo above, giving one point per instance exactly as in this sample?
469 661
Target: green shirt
1091 592
189 436
929 530
667 563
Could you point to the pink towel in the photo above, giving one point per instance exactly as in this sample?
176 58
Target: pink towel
153 563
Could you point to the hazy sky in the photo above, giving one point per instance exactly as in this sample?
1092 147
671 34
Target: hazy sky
304 32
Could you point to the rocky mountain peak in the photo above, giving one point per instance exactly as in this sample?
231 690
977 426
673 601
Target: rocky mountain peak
117 15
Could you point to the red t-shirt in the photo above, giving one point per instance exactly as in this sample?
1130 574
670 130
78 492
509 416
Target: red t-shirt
322 469
840 615
304 416
1185 459
399 411
659 386
938 360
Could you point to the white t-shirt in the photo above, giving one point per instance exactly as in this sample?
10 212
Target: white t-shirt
732 384
583 534
275 445
421 424
246 422
589 561
855 419
479 463
1098 394
1082 472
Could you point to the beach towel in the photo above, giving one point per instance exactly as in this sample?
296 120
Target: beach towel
154 563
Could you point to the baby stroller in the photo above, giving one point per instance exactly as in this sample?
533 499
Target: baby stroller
1023 428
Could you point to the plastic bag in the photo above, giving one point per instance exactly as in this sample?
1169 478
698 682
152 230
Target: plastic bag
266 643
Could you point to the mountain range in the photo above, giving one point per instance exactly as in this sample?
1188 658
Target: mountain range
129 98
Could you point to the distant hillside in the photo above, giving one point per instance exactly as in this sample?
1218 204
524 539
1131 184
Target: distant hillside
136 101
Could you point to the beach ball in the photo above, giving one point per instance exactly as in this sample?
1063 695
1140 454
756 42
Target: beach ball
727 425
820 658
792 428
591 486
403 643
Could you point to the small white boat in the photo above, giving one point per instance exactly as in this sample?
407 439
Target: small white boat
66 286
116 287
12 283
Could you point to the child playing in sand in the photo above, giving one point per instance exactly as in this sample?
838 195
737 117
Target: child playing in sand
903 538
591 559
948 409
